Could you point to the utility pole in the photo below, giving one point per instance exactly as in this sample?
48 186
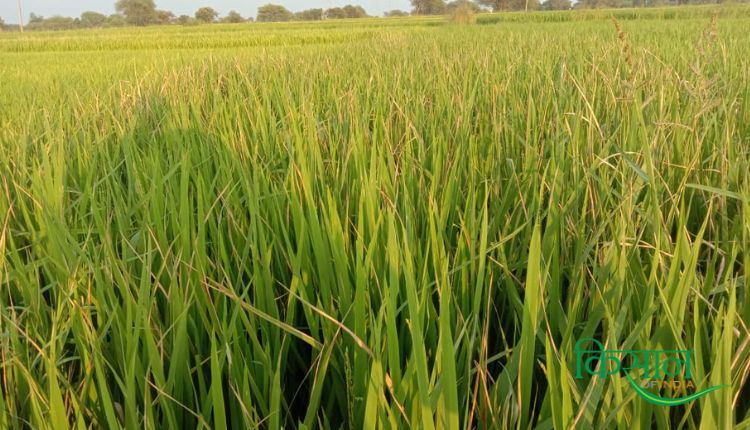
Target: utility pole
20 16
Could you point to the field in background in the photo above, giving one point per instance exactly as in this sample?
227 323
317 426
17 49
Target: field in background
374 224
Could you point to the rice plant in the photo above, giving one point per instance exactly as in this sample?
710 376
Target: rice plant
379 225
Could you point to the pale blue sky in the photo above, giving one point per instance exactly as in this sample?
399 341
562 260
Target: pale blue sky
246 7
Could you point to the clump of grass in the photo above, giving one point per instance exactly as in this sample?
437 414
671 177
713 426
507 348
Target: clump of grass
463 14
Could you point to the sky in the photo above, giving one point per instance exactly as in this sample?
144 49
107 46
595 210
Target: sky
47 8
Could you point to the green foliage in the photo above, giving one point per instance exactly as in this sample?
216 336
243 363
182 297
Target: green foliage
93 19
163 17
54 23
185 20
34 18
395 13
206 15
428 7
508 5
374 223
233 17
137 12
335 13
309 15
347 11
464 7
273 13
116 20
354 11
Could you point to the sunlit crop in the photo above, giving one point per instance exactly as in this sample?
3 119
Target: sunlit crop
373 224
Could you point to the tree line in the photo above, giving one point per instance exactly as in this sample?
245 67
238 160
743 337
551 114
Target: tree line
441 7
145 12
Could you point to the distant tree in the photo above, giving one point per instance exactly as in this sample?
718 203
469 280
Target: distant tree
598 4
273 13
35 22
233 17
116 20
428 7
354 11
164 17
309 15
506 5
184 19
56 22
2 24
93 19
496 5
206 14
395 13
34 18
137 12
556 5
348 11
335 13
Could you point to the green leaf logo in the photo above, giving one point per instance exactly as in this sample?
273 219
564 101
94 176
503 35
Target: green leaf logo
663 401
